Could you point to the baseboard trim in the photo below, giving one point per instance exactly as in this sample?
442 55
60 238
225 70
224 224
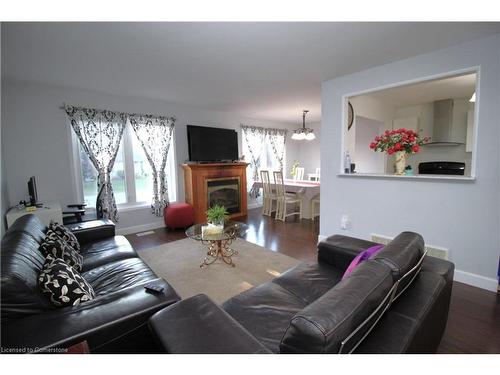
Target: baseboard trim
476 280
140 228
321 237
465 277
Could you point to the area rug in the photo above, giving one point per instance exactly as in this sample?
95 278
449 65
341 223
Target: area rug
179 262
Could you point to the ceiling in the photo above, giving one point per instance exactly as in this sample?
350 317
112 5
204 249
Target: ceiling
258 70
429 91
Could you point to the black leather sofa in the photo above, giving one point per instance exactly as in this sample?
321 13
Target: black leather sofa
114 322
395 302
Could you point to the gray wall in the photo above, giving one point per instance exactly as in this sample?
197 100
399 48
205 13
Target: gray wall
462 216
5 197
37 139
309 151
4 202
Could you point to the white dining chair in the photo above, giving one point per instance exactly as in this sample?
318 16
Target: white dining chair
269 196
299 174
284 199
315 207
314 176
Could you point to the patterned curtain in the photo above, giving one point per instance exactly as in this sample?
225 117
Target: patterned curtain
255 140
155 134
100 133
277 138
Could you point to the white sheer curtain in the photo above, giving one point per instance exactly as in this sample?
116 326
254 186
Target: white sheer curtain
263 148
253 142
155 135
100 133
277 139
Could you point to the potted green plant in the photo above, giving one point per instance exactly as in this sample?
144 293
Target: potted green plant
216 215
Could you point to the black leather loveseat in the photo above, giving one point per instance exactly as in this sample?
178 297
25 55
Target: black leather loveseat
115 321
397 301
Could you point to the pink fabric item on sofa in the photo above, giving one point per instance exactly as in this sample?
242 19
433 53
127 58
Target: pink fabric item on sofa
364 255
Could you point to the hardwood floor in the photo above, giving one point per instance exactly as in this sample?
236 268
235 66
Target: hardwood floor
474 317
473 321
294 238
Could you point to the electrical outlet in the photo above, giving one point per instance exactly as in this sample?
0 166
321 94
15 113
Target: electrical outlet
344 222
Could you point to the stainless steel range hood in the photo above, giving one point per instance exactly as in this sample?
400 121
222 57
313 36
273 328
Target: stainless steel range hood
443 132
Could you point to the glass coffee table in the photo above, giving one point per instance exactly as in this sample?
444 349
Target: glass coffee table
218 244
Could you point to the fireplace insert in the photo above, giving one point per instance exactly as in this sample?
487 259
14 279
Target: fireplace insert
224 192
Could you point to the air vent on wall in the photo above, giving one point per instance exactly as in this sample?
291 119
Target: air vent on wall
432 250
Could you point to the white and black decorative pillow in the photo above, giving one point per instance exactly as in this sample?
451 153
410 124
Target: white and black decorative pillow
58 248
62 284
50 235
65 234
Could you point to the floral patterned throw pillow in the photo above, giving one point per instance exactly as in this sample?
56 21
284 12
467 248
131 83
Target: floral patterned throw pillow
65 234
62 284
56 247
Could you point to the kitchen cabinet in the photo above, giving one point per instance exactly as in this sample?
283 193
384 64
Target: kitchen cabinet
417 117
410 123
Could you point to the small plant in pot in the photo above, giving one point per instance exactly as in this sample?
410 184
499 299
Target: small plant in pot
217 215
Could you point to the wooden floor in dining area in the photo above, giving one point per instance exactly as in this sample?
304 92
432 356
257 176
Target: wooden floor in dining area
474 317
295 238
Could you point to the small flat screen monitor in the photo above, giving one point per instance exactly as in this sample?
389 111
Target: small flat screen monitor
32 191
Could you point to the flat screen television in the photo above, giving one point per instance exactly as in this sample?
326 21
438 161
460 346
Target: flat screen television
212 144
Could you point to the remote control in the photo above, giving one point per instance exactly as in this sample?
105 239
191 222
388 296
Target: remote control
154 287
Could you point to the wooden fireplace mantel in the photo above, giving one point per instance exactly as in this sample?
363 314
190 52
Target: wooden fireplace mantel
195 185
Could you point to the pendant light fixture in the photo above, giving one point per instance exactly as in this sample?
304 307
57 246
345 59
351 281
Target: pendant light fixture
303 132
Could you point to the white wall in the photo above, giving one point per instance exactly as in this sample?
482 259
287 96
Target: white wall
371 108
35 134
460 215
365 159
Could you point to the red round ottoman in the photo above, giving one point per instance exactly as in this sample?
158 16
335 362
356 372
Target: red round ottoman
178 215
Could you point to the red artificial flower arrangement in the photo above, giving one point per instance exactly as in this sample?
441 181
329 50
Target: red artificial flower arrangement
402 139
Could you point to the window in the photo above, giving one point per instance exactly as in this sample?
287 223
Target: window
268 159
89 178
143 174
118 177
132 176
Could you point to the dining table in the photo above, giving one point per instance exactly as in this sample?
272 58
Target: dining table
306 190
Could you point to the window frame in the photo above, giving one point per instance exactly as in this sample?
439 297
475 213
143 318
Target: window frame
128 159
